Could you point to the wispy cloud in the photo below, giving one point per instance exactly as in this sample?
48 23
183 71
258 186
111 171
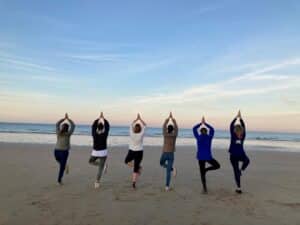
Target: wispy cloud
254 83
23 64
104 57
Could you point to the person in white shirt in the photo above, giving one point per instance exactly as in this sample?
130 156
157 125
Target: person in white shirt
135 153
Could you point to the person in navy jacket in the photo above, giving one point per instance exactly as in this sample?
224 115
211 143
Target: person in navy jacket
236 149
204 141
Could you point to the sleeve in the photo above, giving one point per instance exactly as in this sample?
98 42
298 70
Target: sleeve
211 130
244 127
143 130
164 128
107 127
175 128
94 127
232 126
130 129
195 130
58 125
72 127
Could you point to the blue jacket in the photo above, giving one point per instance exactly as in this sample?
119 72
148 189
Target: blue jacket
236 147
204 142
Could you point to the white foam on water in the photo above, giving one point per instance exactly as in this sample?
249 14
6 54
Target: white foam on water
83 140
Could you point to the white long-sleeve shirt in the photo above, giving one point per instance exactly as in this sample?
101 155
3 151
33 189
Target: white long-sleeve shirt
136 139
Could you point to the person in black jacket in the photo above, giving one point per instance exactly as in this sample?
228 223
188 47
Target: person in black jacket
237 151
100 131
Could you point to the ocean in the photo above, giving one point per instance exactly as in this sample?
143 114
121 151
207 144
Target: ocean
45 133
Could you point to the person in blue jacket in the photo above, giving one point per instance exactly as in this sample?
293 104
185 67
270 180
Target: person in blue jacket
204 141
236 150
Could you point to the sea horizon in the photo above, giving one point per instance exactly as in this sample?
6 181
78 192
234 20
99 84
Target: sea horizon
37 133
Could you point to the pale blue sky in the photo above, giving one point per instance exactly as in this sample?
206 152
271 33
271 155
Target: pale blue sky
191 57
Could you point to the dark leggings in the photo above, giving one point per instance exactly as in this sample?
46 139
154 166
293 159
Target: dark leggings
236 169
61 157
214 166
137 157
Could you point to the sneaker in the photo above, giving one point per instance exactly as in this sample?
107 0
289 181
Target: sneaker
238 191
97 184
174 172
204 192
167 189
60 183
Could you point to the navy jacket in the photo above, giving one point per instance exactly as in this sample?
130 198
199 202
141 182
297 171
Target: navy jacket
204 142
236 147
100 140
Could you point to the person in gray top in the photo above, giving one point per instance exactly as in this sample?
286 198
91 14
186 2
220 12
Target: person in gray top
61 152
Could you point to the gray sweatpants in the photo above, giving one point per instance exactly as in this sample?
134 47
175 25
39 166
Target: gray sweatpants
100 162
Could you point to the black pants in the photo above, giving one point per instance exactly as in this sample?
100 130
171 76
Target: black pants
137 157
61 157
236 169
214 166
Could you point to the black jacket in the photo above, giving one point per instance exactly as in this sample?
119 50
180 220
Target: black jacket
100 140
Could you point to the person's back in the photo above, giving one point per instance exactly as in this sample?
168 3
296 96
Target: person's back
100 135
204 142
63 138
237 141
204 149
136 139
170 137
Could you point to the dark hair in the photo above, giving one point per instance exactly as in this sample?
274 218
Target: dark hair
137 128
64 128
170 129
238 129
203 130
100 126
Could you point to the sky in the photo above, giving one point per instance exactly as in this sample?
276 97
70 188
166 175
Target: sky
190 57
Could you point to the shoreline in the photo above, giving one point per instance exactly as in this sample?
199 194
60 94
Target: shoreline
122 141
51 146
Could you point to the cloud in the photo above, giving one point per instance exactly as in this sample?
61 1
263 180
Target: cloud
24 64
100 57
289 100
254 83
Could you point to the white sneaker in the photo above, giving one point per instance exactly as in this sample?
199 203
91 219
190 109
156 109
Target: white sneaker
239 191
167 189
97 185
174 172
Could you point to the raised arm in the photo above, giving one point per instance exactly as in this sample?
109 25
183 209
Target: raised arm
232 125
244 127
195 130
143 122
58 125
165 126
72 126
175 126
211 130
94 127
107 127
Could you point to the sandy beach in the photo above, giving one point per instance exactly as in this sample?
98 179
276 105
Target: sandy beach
29 193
